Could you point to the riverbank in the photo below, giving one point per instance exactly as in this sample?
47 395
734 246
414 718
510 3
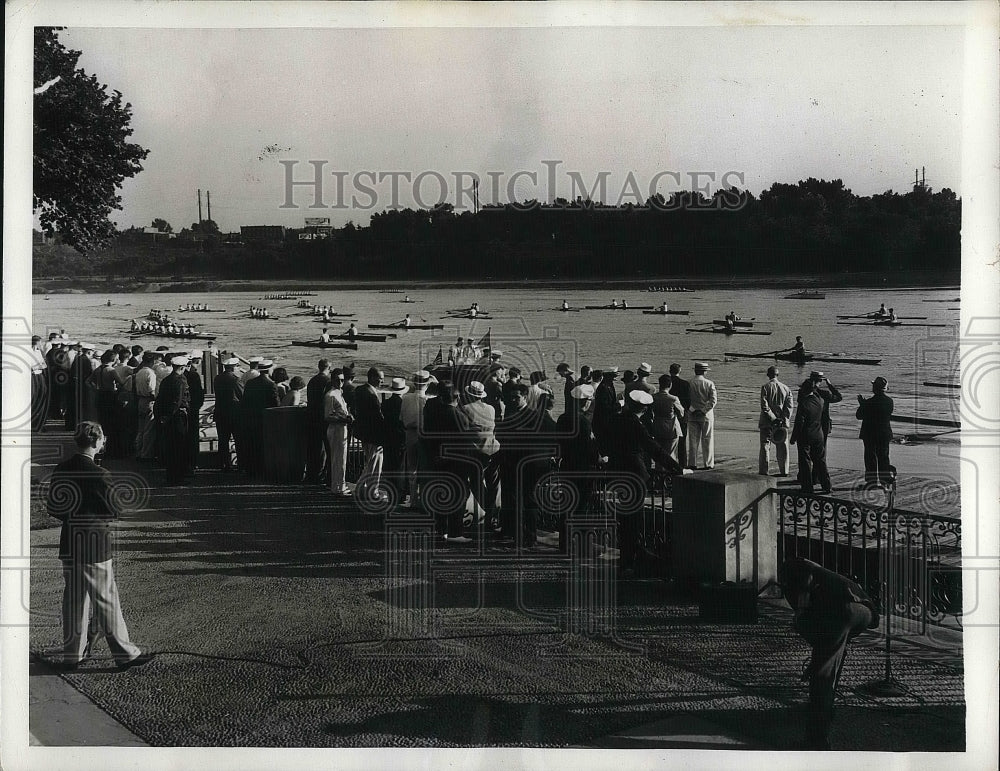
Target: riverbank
898 280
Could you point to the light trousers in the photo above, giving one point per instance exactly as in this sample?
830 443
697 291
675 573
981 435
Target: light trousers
700 437
780 452
86 583
371 475
336 438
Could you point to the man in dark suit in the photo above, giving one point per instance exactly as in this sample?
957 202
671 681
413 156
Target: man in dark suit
77 396
630 448
171 413
579 457
828 392
228 393
527 446
681 388
829 610
259 394
605 406
876 432
80 495
316 447
449 439
808 433
370 429
196 399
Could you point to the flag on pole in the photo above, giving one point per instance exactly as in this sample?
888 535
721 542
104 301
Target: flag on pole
484 344
438 360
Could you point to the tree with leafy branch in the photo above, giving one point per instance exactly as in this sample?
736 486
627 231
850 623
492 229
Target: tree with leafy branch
81 149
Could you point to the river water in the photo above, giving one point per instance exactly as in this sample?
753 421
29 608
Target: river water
534 335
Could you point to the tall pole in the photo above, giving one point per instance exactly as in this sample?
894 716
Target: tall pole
208 195
199 205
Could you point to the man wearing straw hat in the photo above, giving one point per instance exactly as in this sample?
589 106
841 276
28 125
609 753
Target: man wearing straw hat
395 435
482 417
775 412
410 413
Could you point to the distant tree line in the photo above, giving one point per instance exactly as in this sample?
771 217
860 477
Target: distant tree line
814 226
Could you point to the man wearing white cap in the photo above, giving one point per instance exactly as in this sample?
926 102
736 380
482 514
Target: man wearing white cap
252 363
578 450
259 394
630 448
876 432
775 413
171 412
228 393
197 399
701 418
411 413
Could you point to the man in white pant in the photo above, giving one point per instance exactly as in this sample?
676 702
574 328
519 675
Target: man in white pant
338 419
701 418
775 412
80 494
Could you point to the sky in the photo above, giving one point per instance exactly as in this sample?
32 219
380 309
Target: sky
534 112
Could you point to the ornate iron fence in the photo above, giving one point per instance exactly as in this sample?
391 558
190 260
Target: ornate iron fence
910 562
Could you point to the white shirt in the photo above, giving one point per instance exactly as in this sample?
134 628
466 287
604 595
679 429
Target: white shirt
38 364
249 375
335 408
703 394
412 411
145 382
483 418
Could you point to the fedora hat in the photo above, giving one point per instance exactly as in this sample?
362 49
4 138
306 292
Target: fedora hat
641 397
421 377
584 391
701 367
645 368
476 390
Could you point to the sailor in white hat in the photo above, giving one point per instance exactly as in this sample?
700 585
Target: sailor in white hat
171 409
251 373
701 418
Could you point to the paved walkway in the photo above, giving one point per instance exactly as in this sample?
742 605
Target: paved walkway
281 617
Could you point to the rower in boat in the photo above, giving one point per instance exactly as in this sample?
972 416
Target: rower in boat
614 303
625 304
565 305
135 327
881 312
663 308
324 336
109 303
797 352
406 300
406 321
352 332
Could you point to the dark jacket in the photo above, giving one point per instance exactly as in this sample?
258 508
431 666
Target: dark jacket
196 390
369 422
809 420
605 408
523 434
818 596
316 390
228 393
395 434
630 446
259 394
829 395
577 445
682 390
445 427
172 397
80 495
874 415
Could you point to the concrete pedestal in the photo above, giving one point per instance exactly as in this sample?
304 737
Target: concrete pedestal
725 528
284 451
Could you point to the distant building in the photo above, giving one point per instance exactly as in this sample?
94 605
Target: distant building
154 235
263 234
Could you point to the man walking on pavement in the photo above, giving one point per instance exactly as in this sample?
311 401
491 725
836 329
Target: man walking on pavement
81 496
701 418
775 413
808 433
876 432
